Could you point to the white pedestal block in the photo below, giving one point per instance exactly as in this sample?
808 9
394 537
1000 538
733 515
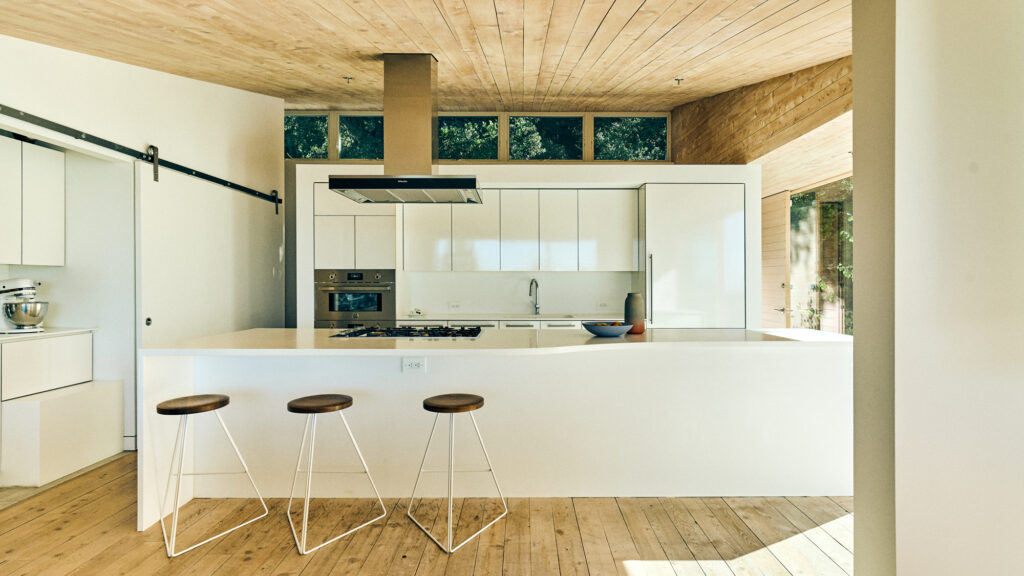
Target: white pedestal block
52 434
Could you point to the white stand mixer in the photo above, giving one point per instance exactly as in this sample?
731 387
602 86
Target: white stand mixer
22 313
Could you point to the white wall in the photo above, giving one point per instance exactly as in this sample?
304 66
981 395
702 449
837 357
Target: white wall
209 258
537 176
955 210
96 287
959 211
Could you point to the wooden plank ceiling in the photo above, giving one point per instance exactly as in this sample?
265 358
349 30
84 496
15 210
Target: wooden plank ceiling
515 55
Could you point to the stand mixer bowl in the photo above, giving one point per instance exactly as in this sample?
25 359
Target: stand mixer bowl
25 314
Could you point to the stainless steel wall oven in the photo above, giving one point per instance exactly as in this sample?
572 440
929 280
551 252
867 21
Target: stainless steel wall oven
354 298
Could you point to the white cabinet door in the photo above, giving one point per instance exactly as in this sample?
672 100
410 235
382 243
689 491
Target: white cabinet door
520 231
428 237
608 230
476 234
42 203
10 201
327 202
375 242
695 246
334 239
559 230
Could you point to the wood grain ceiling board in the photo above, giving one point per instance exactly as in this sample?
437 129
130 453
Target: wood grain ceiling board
818 157
506 55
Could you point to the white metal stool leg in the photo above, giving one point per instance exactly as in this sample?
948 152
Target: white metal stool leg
178 456
310 433
451 485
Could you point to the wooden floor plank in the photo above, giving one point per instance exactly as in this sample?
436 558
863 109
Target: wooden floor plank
490 554
518 547
796 552
679 555
648 551
846 502
816 534
596 549
708 557
832 518
572 560
543 541
86 527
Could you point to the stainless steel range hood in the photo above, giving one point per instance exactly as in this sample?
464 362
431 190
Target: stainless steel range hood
408 189
410 143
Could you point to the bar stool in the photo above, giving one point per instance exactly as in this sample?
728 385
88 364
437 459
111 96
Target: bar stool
453 404
185 407
312 406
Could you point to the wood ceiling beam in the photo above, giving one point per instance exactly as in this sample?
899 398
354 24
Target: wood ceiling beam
741 125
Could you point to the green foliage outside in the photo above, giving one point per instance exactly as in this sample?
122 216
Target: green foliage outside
545 138
361 137
630 138
467 137
305 136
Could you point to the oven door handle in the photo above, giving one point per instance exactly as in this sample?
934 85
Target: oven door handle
354 289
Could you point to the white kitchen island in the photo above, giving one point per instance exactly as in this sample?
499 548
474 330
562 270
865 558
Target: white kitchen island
667 413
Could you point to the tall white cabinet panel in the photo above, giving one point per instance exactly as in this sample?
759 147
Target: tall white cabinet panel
334 240
42 204
520 230
476 234
559 232
375 242
695 251
10 201
608 240
427 237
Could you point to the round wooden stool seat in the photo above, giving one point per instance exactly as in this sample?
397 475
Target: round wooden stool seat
192 404
319 404
452 403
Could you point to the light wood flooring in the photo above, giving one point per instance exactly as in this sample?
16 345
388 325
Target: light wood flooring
87 526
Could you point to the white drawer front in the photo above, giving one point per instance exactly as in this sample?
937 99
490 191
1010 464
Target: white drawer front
39 365
520 324
560 325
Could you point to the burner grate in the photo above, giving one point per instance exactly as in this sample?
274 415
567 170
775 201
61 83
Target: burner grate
412 332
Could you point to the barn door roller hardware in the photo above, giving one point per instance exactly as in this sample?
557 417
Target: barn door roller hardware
151 155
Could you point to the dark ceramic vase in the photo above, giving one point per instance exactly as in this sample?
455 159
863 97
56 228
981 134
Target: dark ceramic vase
635 313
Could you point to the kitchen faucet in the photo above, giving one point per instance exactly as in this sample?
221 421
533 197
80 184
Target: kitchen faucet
535 292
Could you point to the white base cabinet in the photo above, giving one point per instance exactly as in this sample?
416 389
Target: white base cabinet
49 435
32 366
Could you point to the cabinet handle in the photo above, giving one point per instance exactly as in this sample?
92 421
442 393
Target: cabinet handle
519 325
651 285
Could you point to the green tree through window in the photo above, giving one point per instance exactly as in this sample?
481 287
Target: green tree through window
545 137
361 137
305 136
630 138
467 137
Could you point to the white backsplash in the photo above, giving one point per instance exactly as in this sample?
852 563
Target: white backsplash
439 293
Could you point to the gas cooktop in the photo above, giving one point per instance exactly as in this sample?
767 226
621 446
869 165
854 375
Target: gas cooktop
412 332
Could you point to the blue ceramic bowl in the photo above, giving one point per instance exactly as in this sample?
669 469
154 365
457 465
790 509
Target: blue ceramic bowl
606 331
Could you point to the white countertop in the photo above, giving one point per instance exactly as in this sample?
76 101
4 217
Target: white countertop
506 316
49 333
313 342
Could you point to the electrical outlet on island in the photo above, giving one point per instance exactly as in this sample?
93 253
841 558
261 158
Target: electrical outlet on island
454 306
415 364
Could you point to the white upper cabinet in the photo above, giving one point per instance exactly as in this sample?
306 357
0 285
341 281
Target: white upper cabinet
695 251
476 234
559 232
327 202
334 241
375 242
608 238
10 201
427 237
520 230
42 206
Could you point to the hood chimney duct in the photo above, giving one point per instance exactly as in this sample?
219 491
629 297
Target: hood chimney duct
410 114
